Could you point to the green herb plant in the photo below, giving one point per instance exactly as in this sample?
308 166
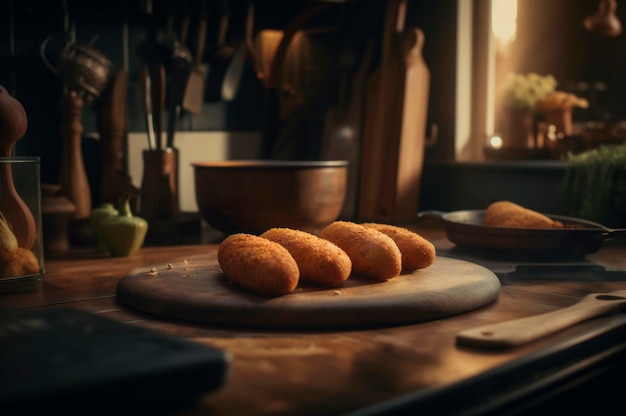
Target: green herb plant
523 91
594 186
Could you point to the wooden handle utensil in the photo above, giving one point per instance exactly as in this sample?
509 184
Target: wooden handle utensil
525 330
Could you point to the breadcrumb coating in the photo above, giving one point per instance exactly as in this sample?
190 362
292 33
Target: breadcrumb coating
258 264
510 214
373 253
320 261
417 252
18 262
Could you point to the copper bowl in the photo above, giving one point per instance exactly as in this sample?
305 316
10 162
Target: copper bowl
253 196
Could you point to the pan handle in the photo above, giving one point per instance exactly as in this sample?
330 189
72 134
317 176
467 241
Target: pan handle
431 214
614 233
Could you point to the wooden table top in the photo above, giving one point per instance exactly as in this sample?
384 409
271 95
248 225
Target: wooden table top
315 372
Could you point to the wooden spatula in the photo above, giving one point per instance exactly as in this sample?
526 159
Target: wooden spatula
524 330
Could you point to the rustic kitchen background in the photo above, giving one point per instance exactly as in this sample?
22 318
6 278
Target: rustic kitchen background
132 34
550 39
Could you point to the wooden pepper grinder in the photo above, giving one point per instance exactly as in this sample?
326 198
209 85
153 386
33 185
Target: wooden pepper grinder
13 124
73 177
111 122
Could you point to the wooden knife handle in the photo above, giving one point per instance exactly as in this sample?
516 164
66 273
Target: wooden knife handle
201 40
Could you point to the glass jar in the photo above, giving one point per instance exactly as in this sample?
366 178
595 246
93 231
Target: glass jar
21 245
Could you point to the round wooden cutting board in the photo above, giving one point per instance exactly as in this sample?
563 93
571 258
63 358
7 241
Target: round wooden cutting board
195 289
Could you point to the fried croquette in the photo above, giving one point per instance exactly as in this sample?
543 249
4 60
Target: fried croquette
373 253
258 264
417 252
320 261
18 262
509 214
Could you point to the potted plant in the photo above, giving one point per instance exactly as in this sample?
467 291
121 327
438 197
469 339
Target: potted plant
594 186
520 95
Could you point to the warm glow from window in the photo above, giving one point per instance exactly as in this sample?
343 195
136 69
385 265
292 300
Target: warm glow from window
503 20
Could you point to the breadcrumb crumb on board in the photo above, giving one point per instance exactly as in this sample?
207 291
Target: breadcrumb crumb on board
154 271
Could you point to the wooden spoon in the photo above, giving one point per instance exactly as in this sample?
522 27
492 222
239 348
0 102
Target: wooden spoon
525 330
13 124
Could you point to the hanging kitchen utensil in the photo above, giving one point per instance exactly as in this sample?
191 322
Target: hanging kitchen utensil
81 67
177 80
274 137
145 88
158 84
395 124
13 124
220 57
403 181
380 85
179 72
244 55
223 50
194 91
152 50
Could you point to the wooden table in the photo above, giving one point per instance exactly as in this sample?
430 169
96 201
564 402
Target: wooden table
380 371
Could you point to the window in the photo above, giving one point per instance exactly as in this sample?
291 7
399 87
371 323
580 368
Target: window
547 38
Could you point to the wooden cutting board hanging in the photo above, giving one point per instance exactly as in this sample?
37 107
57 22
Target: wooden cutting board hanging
394 130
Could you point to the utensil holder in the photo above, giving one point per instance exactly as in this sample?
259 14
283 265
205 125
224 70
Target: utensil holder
21 266
159 185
